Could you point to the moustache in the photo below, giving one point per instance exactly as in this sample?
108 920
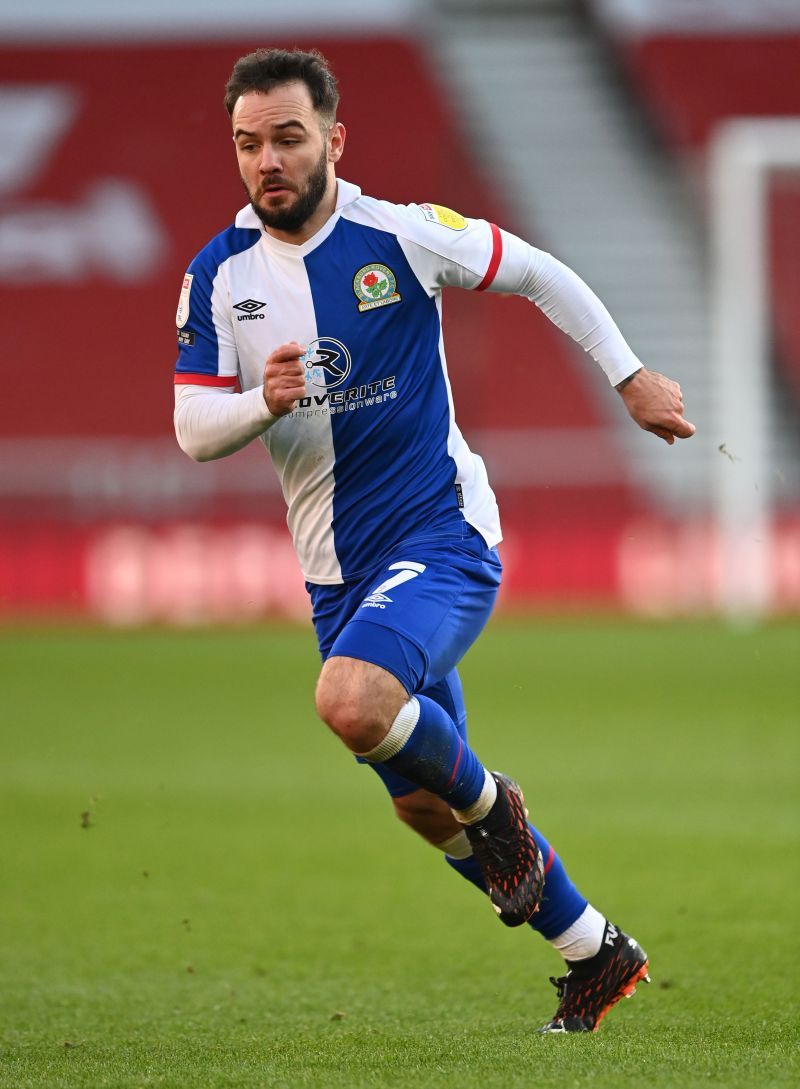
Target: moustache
277 183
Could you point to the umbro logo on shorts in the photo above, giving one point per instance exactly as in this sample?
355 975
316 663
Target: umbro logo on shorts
406 569
250 308
376 598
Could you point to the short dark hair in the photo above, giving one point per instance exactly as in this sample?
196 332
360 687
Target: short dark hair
268 68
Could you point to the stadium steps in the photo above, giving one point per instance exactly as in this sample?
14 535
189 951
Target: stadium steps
539 102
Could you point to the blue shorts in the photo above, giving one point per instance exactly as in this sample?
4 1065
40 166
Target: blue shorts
415 615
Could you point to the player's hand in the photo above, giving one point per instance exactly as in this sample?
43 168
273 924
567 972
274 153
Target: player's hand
656 403
284 379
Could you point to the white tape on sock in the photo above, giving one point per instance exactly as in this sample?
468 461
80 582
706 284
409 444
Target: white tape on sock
399 733
482 804
457 846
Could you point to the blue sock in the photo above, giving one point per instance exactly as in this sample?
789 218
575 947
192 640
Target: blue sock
561 904
437 758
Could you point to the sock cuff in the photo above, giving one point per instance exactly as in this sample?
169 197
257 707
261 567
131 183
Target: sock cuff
583 939
399 733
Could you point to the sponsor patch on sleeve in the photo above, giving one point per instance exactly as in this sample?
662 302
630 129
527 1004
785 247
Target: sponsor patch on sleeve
445 217
182 314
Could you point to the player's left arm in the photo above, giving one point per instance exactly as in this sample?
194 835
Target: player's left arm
447 250
654 401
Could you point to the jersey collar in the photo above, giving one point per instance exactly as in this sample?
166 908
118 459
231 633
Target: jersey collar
346 193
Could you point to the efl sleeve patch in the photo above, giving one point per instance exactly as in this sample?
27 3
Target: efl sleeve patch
182 313
205 340
445 217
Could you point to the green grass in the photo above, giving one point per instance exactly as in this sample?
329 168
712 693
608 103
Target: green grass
242 909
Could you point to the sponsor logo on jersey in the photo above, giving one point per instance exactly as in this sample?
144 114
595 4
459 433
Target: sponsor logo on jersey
182 313
346 400
375 285
186 336
250 308
327 362
445 217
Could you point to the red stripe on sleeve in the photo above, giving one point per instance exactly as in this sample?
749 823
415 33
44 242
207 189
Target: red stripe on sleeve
494 264
183 379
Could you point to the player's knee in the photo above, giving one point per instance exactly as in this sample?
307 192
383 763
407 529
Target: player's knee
358 701
348 718
349 707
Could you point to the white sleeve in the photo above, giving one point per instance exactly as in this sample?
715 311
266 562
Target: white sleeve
445 249
212 423
567 301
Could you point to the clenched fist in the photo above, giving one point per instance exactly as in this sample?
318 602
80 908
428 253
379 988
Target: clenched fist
284 379
656 403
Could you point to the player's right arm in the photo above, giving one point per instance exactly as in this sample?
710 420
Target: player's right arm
212 419
214 422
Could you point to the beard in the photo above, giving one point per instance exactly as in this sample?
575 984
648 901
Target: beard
293 218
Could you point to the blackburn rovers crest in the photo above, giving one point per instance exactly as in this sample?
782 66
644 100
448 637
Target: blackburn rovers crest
375 285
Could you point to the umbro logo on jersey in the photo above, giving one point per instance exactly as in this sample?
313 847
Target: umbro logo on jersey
250 308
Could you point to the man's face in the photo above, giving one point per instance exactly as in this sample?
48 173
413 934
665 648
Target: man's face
285 159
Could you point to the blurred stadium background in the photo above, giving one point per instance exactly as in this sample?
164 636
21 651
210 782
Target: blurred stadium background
590 128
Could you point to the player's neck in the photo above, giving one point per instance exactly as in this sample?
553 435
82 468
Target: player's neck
315 222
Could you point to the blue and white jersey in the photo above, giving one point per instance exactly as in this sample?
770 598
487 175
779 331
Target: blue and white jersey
371 456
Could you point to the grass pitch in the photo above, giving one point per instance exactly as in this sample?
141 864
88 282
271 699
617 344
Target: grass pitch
200 889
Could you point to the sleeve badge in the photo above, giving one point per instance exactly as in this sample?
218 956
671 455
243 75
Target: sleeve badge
182 314
445 217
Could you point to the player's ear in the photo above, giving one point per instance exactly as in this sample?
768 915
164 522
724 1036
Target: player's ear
336 139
